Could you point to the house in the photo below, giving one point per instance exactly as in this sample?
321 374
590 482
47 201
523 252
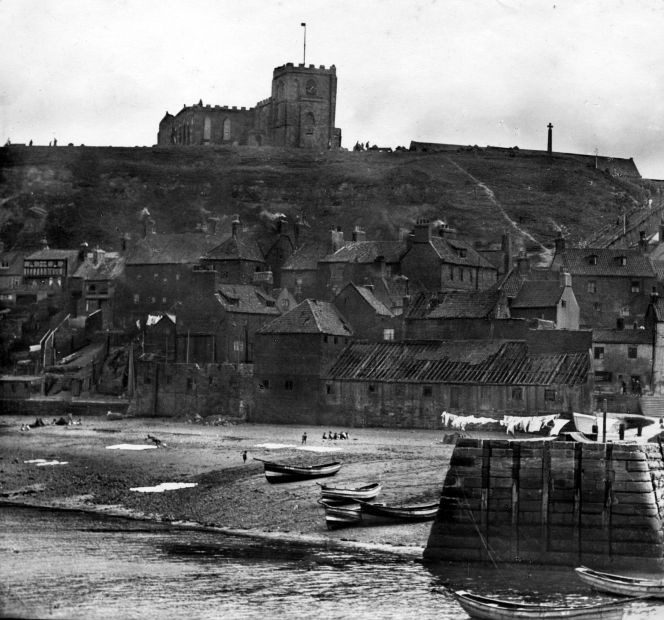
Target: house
236 259
368 316
547 300
622 362
359 261
292 354
48 268
93 283
161 273
299 274
11 274
460 314
608 283
409 384
242 309
444 262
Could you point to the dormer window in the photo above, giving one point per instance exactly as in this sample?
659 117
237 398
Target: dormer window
621 260
592 259
462 252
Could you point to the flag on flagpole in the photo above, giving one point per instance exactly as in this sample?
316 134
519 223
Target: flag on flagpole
303 24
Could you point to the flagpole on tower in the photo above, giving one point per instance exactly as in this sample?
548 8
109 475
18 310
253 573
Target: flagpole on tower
304 59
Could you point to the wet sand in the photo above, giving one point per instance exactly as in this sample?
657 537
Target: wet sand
230 494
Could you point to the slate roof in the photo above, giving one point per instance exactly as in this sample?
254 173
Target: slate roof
538 294
110 266
622 336
305 258
461 362
458 252
168 249
454 305
246 299
49 254
577 261
658 308
310 317
367 252
236 248
376 305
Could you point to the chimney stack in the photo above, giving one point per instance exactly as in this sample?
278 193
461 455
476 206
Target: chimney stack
422 231
337 239
560 242
643 241
359 234
549 143
523 264
44 243
654 295
565 278
235 225
213 222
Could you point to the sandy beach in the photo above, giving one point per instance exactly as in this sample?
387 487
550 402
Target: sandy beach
95 466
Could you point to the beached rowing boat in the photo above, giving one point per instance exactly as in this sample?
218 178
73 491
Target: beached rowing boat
487 608
279 472
396 513
620 584
348 494
340 515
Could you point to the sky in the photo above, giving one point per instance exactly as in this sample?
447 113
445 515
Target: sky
485 72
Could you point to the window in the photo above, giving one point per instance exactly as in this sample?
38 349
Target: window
427 391
597 307
451 272
155 276
329 388
603 376
147 379
190 384
265 384
226 130
550 395
517 393
631 352
636 286
238 345
592 259
388 334
169 378
136 298
288 384
153 300
325 338
563 303
592 286
372 388
622 260
599 353
336 340
163 300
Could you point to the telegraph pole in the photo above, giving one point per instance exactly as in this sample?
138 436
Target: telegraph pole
304 58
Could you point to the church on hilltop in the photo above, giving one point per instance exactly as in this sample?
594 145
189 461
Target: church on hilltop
299 113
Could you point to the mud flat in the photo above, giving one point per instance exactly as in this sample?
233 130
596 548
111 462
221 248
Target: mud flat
95 465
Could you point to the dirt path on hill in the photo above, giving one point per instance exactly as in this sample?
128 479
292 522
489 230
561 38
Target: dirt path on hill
229 492
545 252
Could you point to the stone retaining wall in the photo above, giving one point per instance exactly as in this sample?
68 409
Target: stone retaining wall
552 502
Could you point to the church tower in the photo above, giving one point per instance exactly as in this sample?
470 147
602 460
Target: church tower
303 107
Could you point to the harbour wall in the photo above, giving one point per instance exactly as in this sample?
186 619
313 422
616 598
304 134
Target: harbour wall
552 502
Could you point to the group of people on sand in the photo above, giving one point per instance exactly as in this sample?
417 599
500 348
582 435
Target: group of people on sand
334 436
62 421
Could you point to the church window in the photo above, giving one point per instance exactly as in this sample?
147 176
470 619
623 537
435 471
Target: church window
280 90
309 123
227 129
207 129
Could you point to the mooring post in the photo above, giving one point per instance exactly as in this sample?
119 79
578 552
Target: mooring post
604 421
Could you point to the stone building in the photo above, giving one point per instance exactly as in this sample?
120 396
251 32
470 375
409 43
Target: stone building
292 354
300 112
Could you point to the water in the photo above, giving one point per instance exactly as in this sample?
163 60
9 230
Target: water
72 565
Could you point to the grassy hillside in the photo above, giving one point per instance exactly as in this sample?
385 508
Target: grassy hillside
76 194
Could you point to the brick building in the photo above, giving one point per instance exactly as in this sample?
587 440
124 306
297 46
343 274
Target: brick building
299 113
608 283
442 261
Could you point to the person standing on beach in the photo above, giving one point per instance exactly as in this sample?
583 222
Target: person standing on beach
244 456
304 438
